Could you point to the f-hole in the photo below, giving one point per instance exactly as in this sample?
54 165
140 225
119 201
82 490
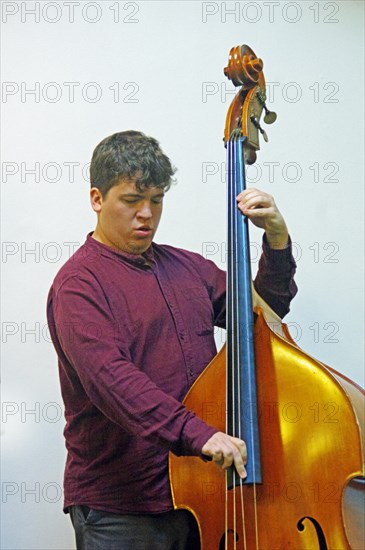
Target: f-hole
320 535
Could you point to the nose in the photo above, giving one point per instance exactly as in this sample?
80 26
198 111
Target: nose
145 211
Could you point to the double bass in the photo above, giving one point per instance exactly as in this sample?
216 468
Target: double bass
302 421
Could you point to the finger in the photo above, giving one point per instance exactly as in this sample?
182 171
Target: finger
264 212
240 457
258 201
235 457
236 454
222 452
242 448
220 462
217 457
252 193
240 467
228 459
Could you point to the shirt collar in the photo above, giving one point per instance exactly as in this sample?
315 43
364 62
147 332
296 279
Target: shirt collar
141 260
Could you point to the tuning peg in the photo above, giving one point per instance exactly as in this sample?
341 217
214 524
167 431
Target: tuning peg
270 116
256 123
264 134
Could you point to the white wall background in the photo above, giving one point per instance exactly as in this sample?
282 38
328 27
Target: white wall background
158 67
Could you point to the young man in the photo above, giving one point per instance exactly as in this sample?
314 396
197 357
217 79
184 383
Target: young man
132 323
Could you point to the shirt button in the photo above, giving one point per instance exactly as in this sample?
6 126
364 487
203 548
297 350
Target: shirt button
182 336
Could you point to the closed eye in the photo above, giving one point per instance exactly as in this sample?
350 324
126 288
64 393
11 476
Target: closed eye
130 201
157 200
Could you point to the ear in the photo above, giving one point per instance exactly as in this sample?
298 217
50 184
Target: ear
96 199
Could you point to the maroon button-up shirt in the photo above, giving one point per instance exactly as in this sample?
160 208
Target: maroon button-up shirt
132 333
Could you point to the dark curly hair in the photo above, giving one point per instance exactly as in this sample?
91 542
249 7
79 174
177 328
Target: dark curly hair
130 155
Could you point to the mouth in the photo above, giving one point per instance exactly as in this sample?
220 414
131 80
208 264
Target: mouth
143 231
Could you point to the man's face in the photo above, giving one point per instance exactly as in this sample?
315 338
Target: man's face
127 218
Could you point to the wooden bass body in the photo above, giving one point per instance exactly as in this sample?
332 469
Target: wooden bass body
311 425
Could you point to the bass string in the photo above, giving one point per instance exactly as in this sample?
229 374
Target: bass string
241 186
232 360
237 188
231 325
236 184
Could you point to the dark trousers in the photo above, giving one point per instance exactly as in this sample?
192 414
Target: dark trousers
97 530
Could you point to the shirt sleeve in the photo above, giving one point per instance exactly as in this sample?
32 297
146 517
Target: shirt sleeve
275 277
87 339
